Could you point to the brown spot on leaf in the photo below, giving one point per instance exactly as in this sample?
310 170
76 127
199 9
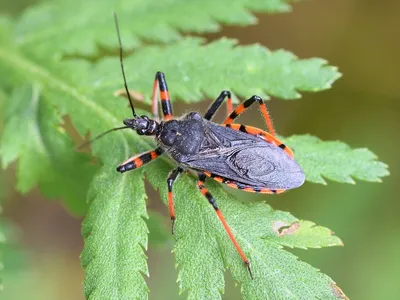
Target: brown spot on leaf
277 225
283 228
337 291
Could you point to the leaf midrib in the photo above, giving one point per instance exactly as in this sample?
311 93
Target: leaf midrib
54 82
117 241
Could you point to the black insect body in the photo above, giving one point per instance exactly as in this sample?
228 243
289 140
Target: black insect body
240 156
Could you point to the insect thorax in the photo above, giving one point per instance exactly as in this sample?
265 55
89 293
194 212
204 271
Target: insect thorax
183 137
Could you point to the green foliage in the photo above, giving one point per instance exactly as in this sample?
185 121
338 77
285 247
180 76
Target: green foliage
115 235
335 160
246 70
203 249
41 88
153 21
303 234
46 156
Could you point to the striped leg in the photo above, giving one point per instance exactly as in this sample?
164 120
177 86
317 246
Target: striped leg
211 200
164 97
139 160
170 181
237 185
217 103
262 134
244 105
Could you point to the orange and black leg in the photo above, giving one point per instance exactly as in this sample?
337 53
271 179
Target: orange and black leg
211 200
166 106
217 103
170 181
262 134
240 186
245 104
139 160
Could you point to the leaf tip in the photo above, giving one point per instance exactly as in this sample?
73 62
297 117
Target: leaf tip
339 243
337 291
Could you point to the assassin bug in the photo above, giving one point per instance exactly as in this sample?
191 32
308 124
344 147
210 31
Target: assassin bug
240 156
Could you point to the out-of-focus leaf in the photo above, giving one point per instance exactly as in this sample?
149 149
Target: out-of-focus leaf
159 234
46 156
89 23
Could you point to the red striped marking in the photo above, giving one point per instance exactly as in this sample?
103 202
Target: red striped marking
131 159
221 217
238 110
228 120
153 155
231 236
171 205
138 162
229 106
154 100
167 117
248 189
268 191
267 119
203 190
208 174
164 95
216 178
263 134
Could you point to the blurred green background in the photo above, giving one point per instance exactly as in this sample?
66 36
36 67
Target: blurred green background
362 38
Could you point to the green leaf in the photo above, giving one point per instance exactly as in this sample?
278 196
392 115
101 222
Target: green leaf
203 249
89 23
303 234
256 71
114 230
335 160
194 70
33 135
115 235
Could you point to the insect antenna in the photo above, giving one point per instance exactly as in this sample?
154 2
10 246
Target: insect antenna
122 65
100 136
